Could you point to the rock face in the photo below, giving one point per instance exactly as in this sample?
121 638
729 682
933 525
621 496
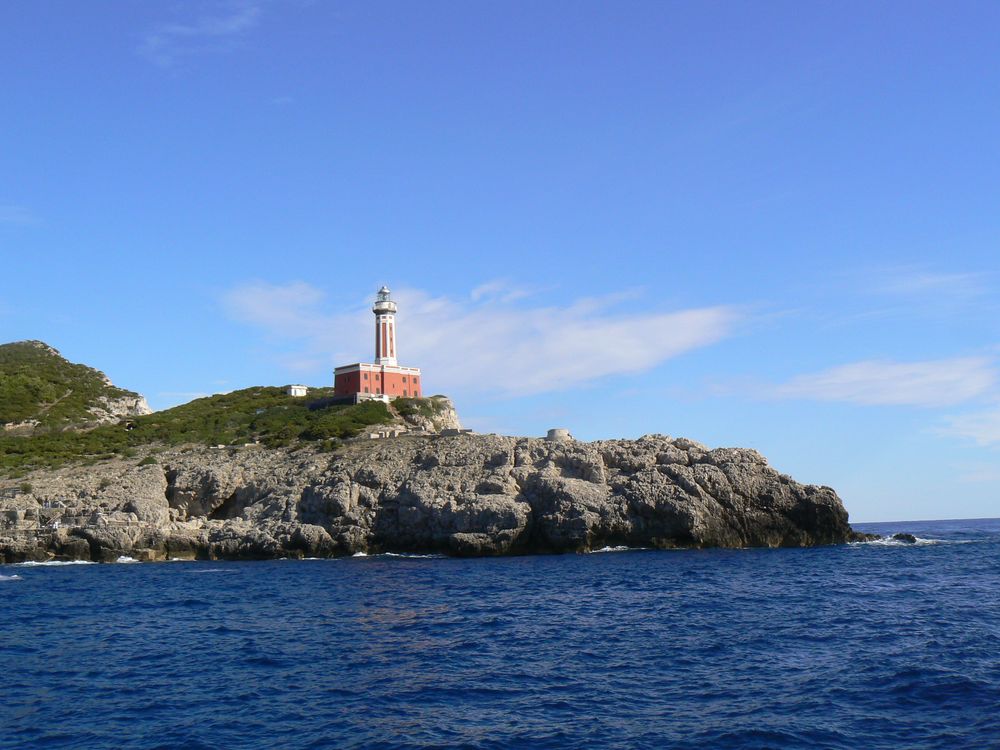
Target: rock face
460 495
445 417
109 410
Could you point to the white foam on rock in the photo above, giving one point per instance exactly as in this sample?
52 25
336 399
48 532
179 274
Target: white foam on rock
126 559
54 563
888 541
411 555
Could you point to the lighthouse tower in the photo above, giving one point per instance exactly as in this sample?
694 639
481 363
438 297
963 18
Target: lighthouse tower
383 379
385 328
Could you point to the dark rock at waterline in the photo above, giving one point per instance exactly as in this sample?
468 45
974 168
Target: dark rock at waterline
905 538
468 495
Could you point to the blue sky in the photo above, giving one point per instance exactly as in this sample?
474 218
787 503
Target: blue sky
772 225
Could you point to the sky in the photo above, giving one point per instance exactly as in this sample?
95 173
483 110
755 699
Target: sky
769 224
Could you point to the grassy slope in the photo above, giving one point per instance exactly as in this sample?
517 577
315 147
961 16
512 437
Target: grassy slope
37 383
264 414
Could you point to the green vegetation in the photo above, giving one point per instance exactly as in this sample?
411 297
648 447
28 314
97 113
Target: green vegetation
37 383
426 407
266 415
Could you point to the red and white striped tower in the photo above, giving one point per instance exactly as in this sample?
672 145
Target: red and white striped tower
385 328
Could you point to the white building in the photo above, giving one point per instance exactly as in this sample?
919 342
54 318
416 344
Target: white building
296 390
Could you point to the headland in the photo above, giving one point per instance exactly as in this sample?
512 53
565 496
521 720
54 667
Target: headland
459 494
87 472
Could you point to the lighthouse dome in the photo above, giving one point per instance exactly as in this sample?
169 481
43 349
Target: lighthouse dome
383 303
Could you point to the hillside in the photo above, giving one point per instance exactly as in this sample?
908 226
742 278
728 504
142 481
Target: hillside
264 415
41 391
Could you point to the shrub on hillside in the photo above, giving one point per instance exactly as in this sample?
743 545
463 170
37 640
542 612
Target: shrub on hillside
266 415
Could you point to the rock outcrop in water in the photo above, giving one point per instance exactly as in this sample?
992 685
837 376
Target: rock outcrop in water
460 494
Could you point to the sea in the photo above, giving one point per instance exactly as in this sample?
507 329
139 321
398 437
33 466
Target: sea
871 645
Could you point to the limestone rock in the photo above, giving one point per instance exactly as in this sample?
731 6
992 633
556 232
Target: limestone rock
109 410
444 418
459 495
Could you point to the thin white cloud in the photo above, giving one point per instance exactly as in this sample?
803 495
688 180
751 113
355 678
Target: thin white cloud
10 214
219 31
499 290
929 383
289 310
982 427
913 282
909 292
979 474
187 395
487 345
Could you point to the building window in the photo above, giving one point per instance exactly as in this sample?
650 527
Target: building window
366 376
404 378
366 390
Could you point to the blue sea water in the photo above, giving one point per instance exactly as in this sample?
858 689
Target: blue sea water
858 646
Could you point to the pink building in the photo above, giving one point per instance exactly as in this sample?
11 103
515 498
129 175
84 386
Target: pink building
384 379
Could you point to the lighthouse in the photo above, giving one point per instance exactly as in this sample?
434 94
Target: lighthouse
385 328
384 379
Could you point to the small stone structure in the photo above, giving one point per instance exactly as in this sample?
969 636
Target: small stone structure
296 390
558 435
388 432
357 398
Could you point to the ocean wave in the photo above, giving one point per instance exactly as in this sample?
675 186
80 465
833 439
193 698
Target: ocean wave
53 563
888 541
126 559
412 555
14 577
618 548
404 555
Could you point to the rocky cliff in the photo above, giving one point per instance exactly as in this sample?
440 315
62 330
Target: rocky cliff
460 494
